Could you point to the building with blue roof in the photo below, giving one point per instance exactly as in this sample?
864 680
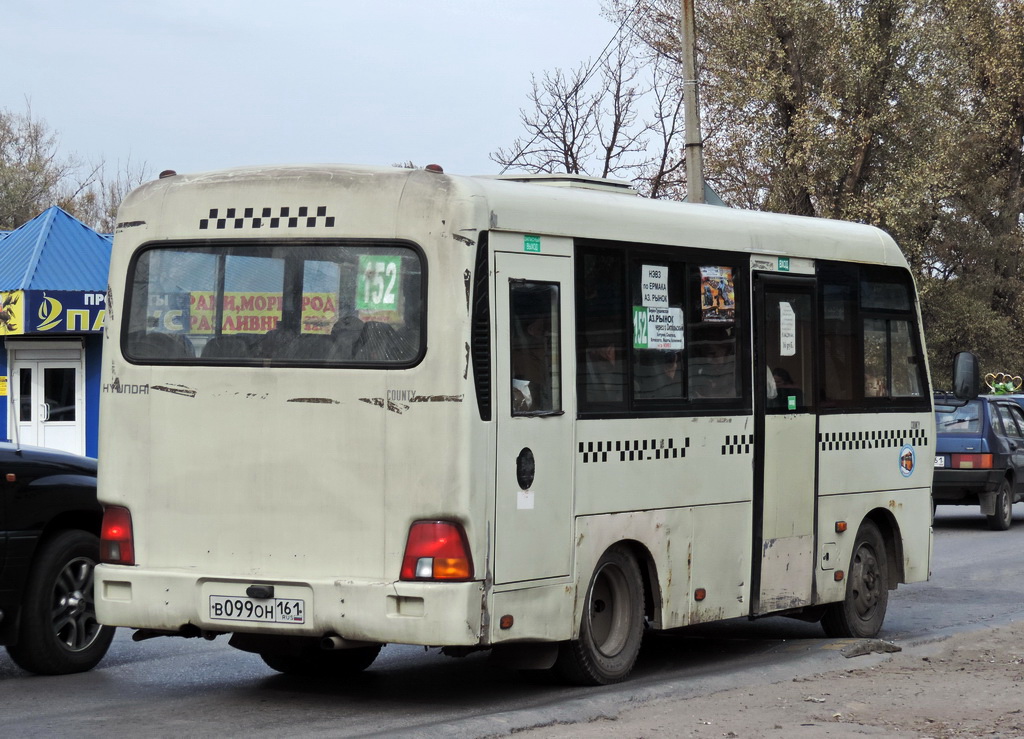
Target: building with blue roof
53 281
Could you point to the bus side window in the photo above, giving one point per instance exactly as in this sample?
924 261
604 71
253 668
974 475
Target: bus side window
892 362
839 338
868 336
601 330
536 361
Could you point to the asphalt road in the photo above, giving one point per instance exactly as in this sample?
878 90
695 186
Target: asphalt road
176 687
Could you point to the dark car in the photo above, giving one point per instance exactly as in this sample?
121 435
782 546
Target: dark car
49 544
979 456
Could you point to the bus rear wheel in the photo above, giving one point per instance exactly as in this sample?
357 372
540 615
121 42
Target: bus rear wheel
861 613
321 663
612 625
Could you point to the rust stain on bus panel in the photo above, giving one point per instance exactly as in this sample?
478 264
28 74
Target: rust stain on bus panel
399 407
436 399
327 401
467 277
182 390
391 405
465 240
707 615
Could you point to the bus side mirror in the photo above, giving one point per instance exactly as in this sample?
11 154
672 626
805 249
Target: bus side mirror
965 376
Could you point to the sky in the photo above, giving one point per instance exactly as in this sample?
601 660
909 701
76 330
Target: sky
199 85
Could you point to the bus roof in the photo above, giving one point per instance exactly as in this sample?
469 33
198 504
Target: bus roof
564 205
619 216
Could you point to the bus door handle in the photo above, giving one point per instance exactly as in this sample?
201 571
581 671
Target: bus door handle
44 411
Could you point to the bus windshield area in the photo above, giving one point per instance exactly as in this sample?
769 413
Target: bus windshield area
276 303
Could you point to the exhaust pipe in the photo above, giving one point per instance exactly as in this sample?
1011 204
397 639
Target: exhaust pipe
338 642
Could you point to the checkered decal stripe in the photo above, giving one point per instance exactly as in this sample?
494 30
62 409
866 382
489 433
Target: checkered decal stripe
635 450
738 444
284 217
890 439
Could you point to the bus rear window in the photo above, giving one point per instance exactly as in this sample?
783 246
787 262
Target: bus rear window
276 303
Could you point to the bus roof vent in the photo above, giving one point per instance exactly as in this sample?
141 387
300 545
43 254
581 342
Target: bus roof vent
581 182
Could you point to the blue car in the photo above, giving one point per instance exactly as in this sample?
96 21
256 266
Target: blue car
979 455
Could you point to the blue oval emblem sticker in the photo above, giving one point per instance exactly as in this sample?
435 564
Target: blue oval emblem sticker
907 460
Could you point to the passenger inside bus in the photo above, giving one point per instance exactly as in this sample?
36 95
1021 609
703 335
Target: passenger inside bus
345 331
786 389
533 347
713 364
604 379
378 342
661 377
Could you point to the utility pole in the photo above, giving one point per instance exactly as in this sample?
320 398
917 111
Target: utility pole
691 110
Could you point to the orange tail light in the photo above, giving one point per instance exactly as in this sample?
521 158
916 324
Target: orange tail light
971 461
436 550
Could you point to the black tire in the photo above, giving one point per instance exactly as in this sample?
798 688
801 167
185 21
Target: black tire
612 625
1003 517
861 613
59 633
323 663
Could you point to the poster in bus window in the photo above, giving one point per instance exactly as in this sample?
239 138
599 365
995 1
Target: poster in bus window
656 324
244 312
378 282
717 294
657 328
169 312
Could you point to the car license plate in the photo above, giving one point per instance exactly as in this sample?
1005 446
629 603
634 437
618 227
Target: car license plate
265 610
940 461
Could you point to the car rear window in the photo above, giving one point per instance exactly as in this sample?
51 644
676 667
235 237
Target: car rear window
965 420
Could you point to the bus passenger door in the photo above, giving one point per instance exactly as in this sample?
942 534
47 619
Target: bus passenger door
785 472
534 363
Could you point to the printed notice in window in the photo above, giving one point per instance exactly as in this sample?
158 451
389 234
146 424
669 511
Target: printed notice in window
787 330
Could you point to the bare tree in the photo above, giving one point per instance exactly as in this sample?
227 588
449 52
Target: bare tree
97 205
560 128
663 173
584 122
33 175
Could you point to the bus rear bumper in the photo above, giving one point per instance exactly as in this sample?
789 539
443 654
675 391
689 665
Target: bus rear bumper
426 613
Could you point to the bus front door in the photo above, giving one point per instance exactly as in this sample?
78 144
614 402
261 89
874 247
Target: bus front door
786 429
534 361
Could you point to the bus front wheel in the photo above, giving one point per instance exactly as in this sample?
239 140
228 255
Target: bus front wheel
612 625
861 613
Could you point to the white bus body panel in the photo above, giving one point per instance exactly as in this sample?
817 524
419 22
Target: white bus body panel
334 465
328 475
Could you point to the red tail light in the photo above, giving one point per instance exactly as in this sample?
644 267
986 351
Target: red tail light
971 461
436 550
117 544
